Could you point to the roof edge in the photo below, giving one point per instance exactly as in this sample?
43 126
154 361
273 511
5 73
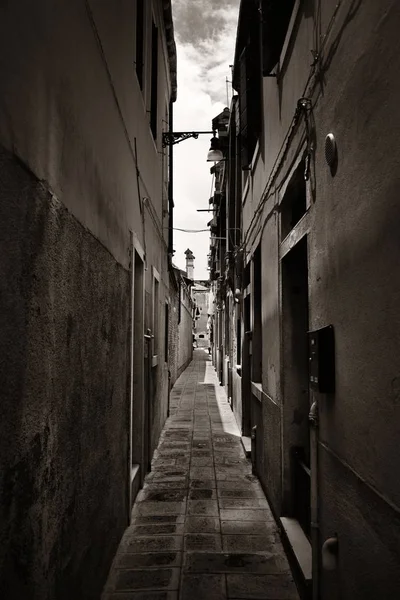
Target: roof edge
171 46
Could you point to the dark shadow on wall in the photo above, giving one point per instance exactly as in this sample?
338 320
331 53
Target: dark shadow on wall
63 443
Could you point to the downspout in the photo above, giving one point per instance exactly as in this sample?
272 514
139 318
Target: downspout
170 189
313 420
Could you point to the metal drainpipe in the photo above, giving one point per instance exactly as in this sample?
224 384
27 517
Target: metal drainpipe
170 189
253 449
313 419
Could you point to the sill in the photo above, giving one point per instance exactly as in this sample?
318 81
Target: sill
239 370
256 389
134 472
299 546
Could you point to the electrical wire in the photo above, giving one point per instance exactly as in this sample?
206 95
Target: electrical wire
309 89
190 230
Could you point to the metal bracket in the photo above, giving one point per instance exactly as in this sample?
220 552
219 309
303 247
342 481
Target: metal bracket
169 138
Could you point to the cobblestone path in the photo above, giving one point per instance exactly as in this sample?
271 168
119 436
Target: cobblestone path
201 526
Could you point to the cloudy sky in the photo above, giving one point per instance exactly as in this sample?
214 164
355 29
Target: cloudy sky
205 33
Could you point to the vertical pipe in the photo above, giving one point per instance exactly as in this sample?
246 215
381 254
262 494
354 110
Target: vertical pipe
170 189
313 420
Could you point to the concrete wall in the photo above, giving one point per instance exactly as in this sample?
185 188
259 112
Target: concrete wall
354 282
81 174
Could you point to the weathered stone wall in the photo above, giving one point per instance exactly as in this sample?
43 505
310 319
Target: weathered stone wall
64 306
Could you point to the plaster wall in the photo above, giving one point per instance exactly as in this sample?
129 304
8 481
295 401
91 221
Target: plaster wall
354 279
185 329
64 407
355 285
76 154
201 298
173 342
72 107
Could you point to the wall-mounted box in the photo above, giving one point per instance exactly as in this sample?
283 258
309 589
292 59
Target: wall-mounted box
321 344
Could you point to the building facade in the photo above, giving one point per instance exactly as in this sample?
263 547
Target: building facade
181 324
304 271
86 94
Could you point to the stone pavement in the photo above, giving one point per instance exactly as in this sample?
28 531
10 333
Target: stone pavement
201 526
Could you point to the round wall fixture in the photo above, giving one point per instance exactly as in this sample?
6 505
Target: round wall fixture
330 149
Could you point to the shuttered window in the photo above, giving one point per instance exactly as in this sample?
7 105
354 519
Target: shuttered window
250 97
139 41
275 22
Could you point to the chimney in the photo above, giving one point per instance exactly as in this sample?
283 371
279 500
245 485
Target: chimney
189 264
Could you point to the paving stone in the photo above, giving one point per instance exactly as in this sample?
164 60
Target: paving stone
159 508
144 519
248 528
163 462
162 495
147 579
156 543
240 485
235 493
210 542
276 587
156 486
232 514
202 525
222 562
175 445
202 483
202 494
161 529
148 560
203 507
206 453
201 461
199 476
154 595
200 587
248 543
201 473
243 503
201 444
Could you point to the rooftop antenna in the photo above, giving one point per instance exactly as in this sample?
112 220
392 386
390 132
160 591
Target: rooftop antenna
227 81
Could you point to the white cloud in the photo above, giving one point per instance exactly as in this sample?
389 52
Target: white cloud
205 36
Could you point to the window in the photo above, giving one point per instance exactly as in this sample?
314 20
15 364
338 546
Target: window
250 97
257 322
140 41
166 332
294 203
238 341
276 16
154 80
156 308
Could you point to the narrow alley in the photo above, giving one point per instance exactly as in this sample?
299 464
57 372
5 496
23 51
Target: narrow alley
201 526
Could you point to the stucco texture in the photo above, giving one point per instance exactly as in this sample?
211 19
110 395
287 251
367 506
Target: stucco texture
63 414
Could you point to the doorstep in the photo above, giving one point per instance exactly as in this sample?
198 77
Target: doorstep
299 552
246 443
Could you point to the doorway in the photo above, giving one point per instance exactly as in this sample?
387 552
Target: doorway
295 377
137 377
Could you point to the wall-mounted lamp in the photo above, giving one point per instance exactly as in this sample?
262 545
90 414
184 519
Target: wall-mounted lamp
170 138
215 152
